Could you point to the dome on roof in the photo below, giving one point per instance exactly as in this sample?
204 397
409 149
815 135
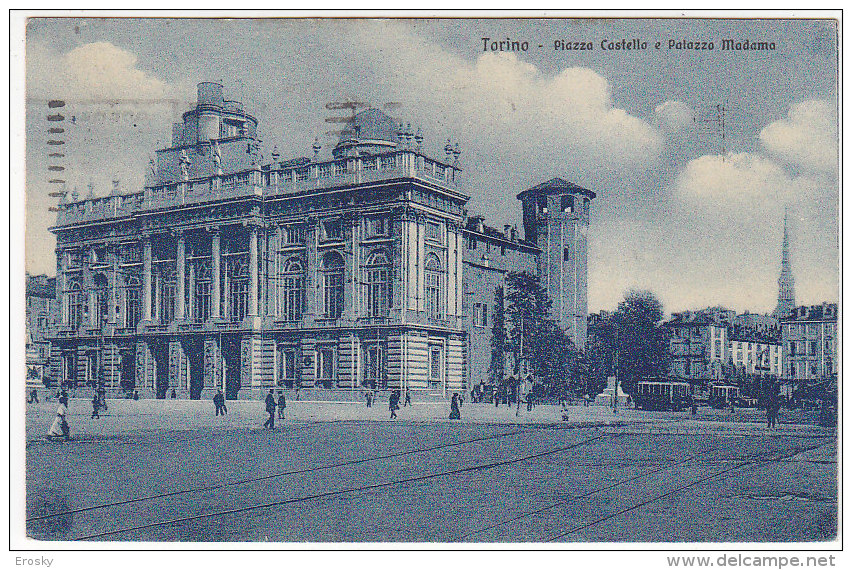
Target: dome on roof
370 132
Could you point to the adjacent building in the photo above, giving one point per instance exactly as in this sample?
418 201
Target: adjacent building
810 340
362 269
698 345
40 316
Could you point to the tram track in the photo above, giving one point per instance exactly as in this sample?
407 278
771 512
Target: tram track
755 460
350 490
250 480
753 464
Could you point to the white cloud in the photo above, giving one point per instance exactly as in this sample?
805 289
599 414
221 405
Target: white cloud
673 116
733 182
119 112
807 139
96 72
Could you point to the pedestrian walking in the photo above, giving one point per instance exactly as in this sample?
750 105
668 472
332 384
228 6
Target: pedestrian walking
693 406
33 398
772 407
455 407
393 403
174 394
407 398
369 396
219 403
136 395
60 429
282 403
96 405
270 409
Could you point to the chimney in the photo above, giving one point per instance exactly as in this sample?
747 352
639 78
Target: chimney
506 228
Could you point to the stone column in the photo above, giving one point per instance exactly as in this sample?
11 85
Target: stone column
62 284
274 273
180 278
146 279
254 281
113 290
215 282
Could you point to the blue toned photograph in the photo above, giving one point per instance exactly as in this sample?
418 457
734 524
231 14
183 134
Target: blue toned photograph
429 282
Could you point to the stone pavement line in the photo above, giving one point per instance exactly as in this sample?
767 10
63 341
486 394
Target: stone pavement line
285 473
753 463
479 467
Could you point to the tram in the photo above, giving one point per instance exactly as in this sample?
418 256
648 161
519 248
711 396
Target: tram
662 394
722 396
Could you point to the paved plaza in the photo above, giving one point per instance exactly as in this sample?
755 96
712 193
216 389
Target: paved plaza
169 470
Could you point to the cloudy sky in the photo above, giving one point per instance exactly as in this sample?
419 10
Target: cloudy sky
680 211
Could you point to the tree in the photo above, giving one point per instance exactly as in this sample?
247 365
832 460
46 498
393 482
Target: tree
497 368
537 339
641 340
526 310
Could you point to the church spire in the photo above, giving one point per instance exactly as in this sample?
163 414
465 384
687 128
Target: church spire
786 285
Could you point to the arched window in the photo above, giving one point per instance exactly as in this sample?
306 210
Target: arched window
332 269
434 285
203 281
132 302
76 305
165 292
238 280
101 301
291 287
377 284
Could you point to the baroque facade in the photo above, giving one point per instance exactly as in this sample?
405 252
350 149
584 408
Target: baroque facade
360 270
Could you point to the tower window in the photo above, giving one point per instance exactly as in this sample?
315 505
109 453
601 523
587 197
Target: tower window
567 204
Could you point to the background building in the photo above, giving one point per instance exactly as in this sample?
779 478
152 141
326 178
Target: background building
363 270
809 337
698 345
40 316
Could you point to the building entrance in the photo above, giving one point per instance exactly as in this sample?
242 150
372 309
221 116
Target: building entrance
232 367
160 352
195 356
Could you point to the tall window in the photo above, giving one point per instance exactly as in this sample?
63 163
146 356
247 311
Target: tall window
165 292
101 307
377 283
434 284
332 267
286 365
291 287
238 292
325 366
132 303
375 367
435 366
76 305
203 285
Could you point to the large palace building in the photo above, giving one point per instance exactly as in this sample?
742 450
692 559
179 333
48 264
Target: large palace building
228 272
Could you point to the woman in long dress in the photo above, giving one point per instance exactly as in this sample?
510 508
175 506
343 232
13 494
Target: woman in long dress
60 428
455 412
